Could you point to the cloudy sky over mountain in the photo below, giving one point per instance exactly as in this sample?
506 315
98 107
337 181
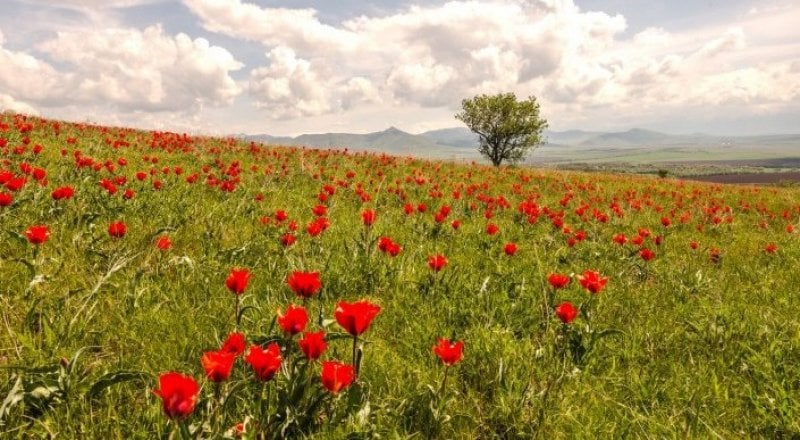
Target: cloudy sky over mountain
290 67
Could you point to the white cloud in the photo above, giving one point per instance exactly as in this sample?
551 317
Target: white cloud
299 29
145 70
95 4
582 65
289 87
9 103
577 62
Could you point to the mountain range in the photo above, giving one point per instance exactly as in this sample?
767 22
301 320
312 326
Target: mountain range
559 146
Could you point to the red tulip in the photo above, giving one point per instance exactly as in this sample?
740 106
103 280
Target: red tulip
117 229
65 192
304 284
386 245
437 262
178 394
356 317
715 255
449 352
368 216
647 254
37 234
566 312
294 320
164 243
492 229
217 365
265 363
6 199
288 240
313 344
234 344
337 376
591 281
558 281
510 249
319 210
237 280
771 248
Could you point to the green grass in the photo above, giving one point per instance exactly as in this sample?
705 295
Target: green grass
694 348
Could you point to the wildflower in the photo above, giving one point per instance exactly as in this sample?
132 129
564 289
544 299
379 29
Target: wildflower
337 376
304 284
592 281
313 344
237 280
437 262
117 229
37 234
356 317
294 320
217 365
558 281
566 312
234 344
265 363
449 352
178 394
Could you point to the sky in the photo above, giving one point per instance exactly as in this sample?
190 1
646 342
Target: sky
287 67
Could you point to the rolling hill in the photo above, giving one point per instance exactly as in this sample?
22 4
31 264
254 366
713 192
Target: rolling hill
635 145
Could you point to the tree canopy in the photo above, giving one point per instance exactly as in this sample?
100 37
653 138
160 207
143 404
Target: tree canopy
507 128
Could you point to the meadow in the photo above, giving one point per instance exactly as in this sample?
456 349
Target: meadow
382 297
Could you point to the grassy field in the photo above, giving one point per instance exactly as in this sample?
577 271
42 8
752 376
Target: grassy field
694 334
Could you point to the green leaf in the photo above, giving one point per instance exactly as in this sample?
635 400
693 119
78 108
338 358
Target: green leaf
114 378
13 398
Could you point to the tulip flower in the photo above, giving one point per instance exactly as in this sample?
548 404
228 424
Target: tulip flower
294 320
234 343
304 284
313 344
117 229
566 312
37 234
437 262
178 394
450 353
592 281
337 376
217 365
265 363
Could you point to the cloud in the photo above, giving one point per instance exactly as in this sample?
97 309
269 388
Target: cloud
289 87
432 56
128 69
95 4
583 65
575 61
9 103
145 70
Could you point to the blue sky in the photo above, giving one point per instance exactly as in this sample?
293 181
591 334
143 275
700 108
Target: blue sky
290 67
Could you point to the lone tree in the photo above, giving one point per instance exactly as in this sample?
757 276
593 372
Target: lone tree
507 128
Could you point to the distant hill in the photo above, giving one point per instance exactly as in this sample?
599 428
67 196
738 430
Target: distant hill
391 140
634 145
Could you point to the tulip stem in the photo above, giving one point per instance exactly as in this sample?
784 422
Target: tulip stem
265 406
444 381
355 365
238 307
